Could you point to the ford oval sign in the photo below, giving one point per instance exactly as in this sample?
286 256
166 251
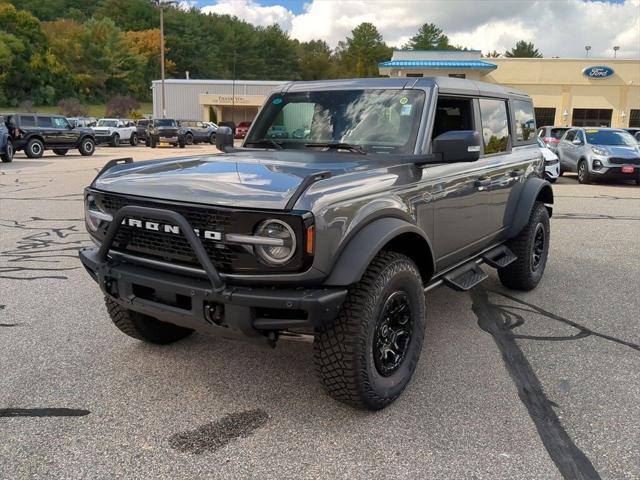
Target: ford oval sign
599 71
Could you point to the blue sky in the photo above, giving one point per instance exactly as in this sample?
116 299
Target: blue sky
557 27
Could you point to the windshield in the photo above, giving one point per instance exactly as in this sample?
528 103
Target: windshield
164 122
609 137
540 143
378 121
107 123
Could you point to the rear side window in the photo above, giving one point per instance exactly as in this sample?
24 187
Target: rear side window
558 132
525 120
45 122
27 121
495 125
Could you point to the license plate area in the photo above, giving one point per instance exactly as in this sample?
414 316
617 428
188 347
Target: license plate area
628 169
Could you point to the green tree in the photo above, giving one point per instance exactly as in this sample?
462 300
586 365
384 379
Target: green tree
429 37
315 60
494 54
523 50
280 59
360 54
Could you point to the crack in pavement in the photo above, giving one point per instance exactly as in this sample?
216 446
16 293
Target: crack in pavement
43 412
571 462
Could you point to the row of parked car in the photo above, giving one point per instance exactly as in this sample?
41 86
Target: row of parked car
35 133
592 152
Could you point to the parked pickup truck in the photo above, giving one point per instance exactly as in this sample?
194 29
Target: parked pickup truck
402 185
115 131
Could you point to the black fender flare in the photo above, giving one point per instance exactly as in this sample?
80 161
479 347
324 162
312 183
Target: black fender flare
535 189
363 246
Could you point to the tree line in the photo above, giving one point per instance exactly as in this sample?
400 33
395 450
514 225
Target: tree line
84 51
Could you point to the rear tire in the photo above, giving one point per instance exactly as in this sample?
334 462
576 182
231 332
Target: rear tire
143 327
7 156
368 355
60 151
87 147
552 180
34 148
212 139
188 138
531 246
583 172
152 142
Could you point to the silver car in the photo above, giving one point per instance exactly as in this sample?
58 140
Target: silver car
596 153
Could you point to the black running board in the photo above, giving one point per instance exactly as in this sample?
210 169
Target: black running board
499 257
470 274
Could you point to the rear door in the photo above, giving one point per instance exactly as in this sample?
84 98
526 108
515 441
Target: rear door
50 134
566 150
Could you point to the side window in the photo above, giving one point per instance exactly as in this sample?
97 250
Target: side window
495 125
452 114
45 122
580 136
570 136
27 121
60 122
525 120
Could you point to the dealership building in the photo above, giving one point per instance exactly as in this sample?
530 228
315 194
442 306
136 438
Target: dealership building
565 91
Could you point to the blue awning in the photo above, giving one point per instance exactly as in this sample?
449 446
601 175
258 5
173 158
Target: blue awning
443 64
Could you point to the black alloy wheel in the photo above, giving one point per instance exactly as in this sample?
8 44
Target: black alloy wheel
538 247
393 334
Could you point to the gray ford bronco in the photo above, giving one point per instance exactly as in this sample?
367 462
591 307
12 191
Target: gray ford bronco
374 192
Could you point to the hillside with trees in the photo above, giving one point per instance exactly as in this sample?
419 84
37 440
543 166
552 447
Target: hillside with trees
75 52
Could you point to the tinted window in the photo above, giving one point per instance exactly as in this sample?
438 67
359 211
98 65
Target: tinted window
165 122
60 122
557 132
570 136
143 123
495 125
525 120
376 120
45 122
609 137
580 136
27 121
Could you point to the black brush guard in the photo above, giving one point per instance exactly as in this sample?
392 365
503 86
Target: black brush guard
208 305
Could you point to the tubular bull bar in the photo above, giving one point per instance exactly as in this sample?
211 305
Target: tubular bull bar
212 306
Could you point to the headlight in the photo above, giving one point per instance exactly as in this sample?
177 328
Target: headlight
598 151
284 245
93 216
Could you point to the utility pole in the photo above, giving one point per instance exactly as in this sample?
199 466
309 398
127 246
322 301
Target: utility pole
162 4
615 51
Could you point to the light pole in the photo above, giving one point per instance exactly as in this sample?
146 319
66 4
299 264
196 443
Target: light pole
615 51
587 48
162 4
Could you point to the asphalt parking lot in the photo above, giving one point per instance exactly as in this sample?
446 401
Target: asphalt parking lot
510 385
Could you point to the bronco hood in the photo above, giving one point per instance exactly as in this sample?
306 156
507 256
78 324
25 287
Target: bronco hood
251 179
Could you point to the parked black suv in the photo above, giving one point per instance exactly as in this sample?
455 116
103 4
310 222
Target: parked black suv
42 132
165 130
6 143
400 186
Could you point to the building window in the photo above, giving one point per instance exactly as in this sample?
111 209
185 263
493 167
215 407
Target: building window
495 125
415 75
545 116
634 118
592 117
458 75
525 120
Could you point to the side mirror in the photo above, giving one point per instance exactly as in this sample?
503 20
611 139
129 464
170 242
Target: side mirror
457 146
224 139
577 141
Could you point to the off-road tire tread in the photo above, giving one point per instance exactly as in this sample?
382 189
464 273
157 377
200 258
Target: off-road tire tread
335 348
517 275
144 328
27 149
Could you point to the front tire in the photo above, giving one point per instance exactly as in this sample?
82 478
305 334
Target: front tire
152 142
34 148
133 141
584 176
552 180
181 142
87 147
188 139
212 139
143 327
368 355
531 246
115 140
7 156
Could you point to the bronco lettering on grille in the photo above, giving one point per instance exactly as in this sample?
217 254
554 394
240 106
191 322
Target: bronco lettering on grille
165 228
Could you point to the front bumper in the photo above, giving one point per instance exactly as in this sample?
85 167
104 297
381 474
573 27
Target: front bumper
616 173
204 304
102 138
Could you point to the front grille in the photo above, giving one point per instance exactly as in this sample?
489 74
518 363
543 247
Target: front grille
175 248
172 247
624 161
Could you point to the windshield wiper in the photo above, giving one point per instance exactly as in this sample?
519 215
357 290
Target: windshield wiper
267 141
339 146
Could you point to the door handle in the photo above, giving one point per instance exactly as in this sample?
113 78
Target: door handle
482 184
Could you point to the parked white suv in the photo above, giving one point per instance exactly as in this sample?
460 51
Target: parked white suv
115 131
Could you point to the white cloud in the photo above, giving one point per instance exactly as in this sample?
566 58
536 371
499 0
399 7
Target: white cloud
253 12
557 28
